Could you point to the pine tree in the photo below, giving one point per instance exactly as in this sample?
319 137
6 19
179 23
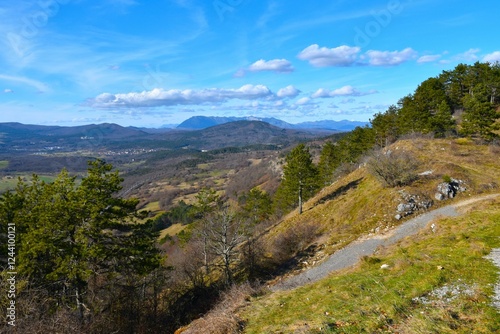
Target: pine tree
442 122
385 126
479 119
70 235
255 206
300 179
329 160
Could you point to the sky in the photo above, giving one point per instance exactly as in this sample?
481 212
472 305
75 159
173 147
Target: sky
157 62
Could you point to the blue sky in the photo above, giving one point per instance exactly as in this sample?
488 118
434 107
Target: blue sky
149 63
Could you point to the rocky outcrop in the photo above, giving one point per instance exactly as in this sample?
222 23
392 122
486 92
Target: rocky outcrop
411 203
446 190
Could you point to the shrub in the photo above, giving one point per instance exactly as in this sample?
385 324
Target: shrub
463 141
293 240
344 169
447 178
393 169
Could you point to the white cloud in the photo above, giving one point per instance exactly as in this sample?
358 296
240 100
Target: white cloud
320 57
390 58
160 97
303 101
428 59
289 91
344 55
469 55
492 57
8 91
343 91
275 65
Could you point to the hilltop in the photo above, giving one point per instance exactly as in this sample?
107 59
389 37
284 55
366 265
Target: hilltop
241 133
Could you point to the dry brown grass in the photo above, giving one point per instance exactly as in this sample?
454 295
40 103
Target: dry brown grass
223 318
358 204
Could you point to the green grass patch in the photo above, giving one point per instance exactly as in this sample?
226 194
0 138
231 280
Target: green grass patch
152 206
172 230
4 164
7 184
10 182
47 178
436 283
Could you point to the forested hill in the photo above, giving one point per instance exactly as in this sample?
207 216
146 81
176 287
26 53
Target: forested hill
464 100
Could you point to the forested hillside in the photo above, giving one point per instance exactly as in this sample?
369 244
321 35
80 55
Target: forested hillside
77 257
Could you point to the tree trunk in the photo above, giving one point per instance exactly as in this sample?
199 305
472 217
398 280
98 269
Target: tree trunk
300 198
79 306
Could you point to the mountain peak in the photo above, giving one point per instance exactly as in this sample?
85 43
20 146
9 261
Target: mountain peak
203 122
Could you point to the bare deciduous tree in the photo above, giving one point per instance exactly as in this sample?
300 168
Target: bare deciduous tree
223 235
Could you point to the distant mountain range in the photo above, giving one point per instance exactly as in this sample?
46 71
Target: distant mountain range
17 138
203 122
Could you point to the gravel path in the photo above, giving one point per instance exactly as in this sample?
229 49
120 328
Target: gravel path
351 254
494 256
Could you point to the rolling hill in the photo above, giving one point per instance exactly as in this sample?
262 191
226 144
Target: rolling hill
437 280
240 134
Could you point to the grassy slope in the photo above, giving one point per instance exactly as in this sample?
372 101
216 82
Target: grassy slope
11 183
369 299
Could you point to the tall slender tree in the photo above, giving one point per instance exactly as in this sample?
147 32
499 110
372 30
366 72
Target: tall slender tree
300 179
480 118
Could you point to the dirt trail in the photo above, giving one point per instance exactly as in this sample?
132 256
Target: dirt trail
352 253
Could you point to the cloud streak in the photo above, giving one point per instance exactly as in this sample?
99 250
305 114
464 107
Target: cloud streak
345 56
343 91
275 65
341 56
159 97
428 59
390 58
40 86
